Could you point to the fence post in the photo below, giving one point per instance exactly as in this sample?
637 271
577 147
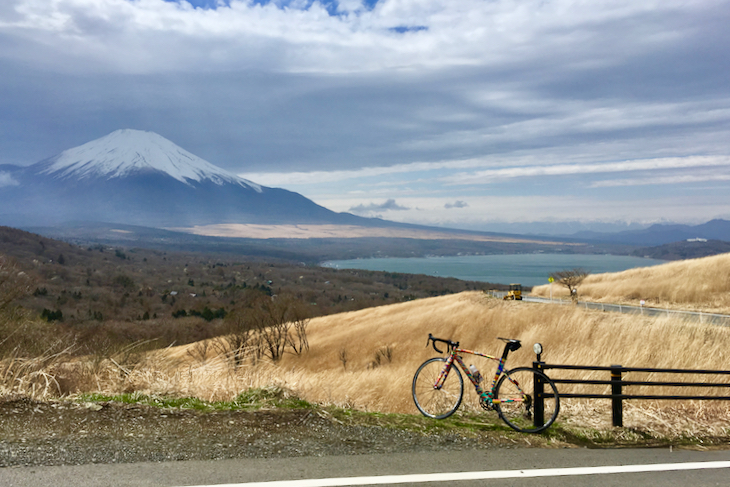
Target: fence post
617 406
539 401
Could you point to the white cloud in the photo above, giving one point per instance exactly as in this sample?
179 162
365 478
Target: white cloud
487 209
300 178
6 179
655 180
153 35
451 172
373 208
494 175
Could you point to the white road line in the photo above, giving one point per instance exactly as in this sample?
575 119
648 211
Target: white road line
495 474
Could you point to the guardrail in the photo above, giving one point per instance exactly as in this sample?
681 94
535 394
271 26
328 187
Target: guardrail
618 386
700 316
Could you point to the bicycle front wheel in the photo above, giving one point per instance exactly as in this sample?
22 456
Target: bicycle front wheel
519 405
433 401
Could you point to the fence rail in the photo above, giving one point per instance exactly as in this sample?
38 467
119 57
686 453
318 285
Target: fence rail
617 383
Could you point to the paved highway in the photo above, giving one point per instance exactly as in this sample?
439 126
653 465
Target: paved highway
713 318
514 467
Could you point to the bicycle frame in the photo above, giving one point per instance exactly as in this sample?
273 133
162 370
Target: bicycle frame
438 397
486 395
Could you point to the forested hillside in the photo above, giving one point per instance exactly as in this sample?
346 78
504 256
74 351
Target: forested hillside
132 294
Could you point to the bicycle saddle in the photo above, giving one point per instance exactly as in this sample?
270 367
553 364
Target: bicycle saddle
512 344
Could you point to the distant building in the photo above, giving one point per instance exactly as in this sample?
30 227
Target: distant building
696 240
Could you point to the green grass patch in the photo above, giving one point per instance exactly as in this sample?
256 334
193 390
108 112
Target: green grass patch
268 397
250 400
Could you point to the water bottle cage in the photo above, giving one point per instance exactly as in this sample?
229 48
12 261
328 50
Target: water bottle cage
475 374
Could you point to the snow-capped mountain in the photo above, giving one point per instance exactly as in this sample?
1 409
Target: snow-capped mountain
141 178
126 152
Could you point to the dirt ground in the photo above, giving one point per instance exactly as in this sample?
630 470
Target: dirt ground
67 433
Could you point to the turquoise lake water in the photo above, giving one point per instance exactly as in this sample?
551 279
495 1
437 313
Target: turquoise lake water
526 269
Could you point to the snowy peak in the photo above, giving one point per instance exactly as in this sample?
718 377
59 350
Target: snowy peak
127 152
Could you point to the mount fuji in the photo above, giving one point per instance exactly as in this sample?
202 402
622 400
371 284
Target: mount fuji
140 178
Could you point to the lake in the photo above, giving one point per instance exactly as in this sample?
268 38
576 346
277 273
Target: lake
526 269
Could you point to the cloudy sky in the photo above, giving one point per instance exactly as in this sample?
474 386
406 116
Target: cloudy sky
463 113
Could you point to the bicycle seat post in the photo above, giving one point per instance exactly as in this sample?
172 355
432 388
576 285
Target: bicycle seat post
510 346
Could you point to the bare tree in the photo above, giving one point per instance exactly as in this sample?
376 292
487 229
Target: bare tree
570 278
14 283
240 337
343 357
282 325
298 314
272 327
266 327
199 350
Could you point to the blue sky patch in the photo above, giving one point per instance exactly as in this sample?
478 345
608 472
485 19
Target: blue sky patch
330 5
402 29
205 4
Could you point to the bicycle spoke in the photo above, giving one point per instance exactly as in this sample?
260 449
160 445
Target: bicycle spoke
515 400
431 400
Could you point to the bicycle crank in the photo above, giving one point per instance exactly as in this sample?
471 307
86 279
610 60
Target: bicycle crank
486 404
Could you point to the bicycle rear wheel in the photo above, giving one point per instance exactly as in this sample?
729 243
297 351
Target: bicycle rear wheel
517 399
442 402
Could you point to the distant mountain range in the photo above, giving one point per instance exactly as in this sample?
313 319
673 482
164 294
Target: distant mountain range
140 178
662 234
685 249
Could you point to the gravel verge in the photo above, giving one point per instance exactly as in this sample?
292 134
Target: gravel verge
68 433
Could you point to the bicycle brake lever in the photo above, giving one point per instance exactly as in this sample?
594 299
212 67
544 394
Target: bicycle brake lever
433 340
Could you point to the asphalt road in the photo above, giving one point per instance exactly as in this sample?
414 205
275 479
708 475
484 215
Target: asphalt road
241 471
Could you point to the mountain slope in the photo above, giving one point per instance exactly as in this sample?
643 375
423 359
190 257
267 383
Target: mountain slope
140 178
128 152
663 234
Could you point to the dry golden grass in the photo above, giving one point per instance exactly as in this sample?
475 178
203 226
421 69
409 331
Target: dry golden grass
244 230
366 359
368 380
696 284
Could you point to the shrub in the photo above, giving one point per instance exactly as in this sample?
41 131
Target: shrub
49 315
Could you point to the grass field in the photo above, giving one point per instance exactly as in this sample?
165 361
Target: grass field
366 359
695 284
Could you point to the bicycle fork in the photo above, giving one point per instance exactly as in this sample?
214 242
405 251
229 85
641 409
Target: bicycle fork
444 372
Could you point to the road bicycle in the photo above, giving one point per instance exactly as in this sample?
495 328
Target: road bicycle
524 398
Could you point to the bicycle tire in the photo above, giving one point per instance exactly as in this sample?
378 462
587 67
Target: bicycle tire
442 402
518 384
